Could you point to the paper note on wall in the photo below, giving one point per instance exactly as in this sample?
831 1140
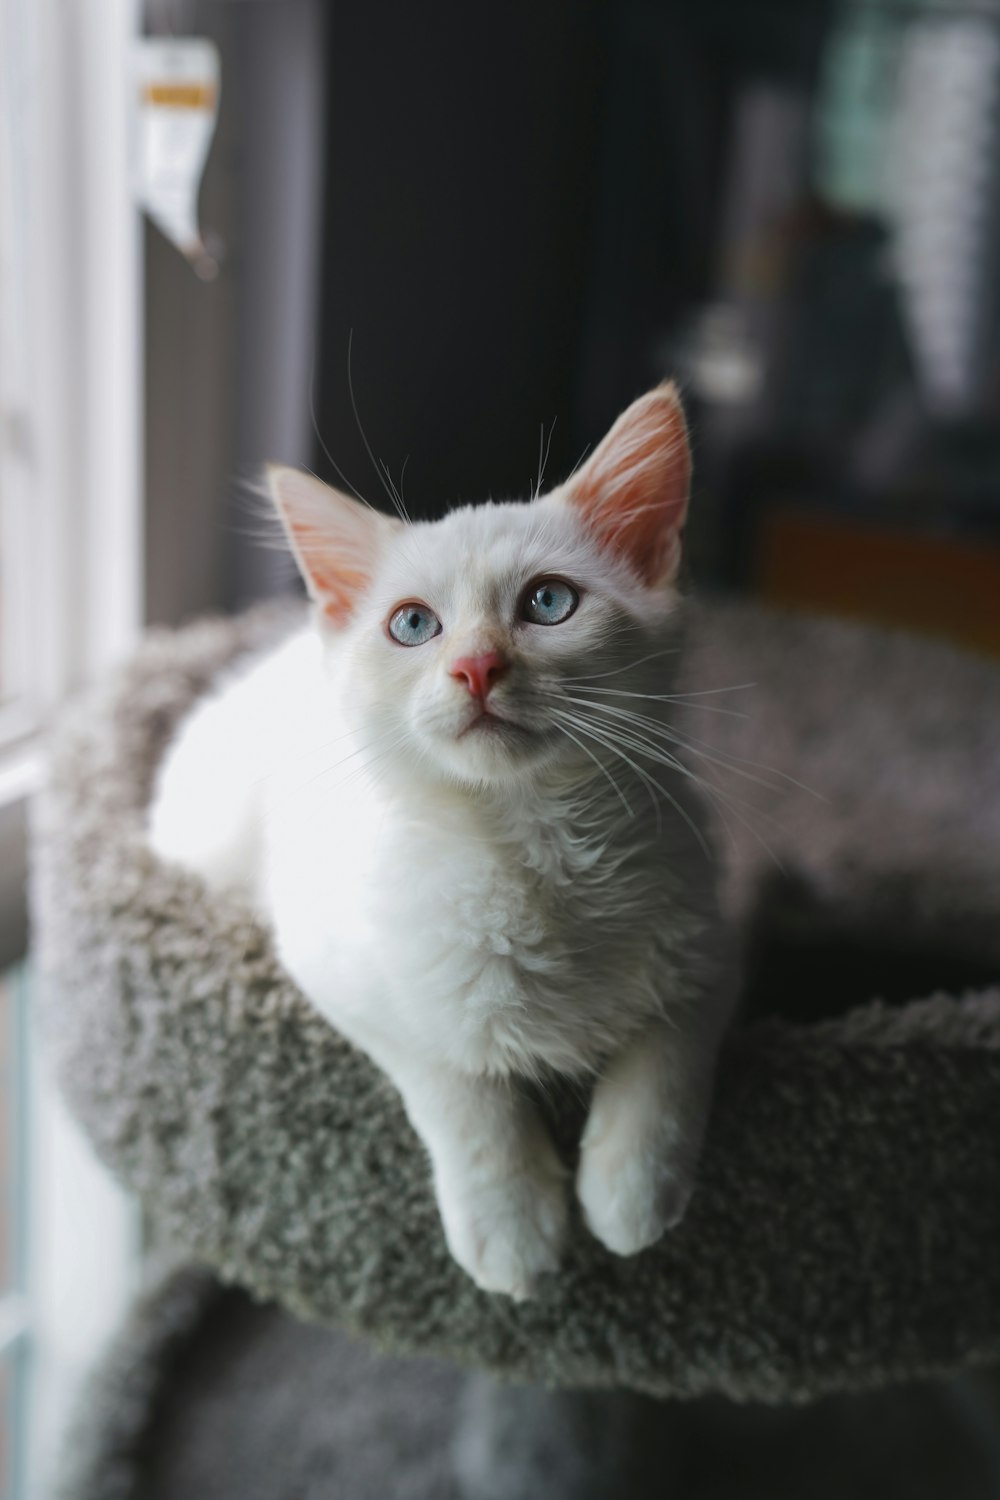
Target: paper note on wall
178 95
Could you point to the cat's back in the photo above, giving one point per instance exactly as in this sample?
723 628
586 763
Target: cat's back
207 802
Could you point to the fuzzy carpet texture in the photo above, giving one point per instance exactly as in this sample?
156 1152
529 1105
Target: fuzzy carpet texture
845 1230
209 1396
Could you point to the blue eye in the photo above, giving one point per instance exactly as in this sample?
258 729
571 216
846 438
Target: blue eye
413 624
549 602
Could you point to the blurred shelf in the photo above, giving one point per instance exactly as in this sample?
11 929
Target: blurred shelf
932 583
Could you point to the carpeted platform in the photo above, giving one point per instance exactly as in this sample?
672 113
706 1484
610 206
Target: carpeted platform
845 1228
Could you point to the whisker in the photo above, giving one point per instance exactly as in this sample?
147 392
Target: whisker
715 793
723 758
312 781
655 753
738 687
690 742
319 438
711 708
388 486
628 666
544 458
365 768
303 753
579 461
651 781
636 726
397 497
647 780
602 768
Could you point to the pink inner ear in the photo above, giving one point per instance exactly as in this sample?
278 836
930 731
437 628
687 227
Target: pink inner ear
335 539
633 492
334 582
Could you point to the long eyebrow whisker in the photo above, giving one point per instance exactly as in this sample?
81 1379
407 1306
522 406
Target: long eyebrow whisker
543 458
322 442
384 480
579 461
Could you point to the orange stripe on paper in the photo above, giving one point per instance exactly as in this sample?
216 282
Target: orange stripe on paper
181 95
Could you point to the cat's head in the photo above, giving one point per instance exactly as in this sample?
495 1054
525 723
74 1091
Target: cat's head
483 645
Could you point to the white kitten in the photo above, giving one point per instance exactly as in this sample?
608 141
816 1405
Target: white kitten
452 797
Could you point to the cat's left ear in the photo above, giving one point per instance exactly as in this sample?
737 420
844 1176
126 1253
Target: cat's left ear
336 540
632 492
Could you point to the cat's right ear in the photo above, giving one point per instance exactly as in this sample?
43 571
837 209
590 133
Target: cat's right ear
336 540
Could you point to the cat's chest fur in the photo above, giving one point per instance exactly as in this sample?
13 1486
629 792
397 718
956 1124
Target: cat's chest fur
511 936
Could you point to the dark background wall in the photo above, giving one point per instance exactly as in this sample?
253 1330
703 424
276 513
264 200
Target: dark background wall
464 150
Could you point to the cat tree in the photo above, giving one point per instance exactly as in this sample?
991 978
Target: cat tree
844 1236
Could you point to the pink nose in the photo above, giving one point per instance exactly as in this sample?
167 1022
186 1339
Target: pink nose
480 673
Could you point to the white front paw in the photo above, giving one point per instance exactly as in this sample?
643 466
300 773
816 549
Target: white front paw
506 1233
631 1191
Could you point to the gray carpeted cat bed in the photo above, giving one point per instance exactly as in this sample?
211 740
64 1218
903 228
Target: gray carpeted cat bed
845 1231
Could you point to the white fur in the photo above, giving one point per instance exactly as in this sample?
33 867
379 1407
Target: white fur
479 909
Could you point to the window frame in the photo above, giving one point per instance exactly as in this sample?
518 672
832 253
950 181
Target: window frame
74 474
